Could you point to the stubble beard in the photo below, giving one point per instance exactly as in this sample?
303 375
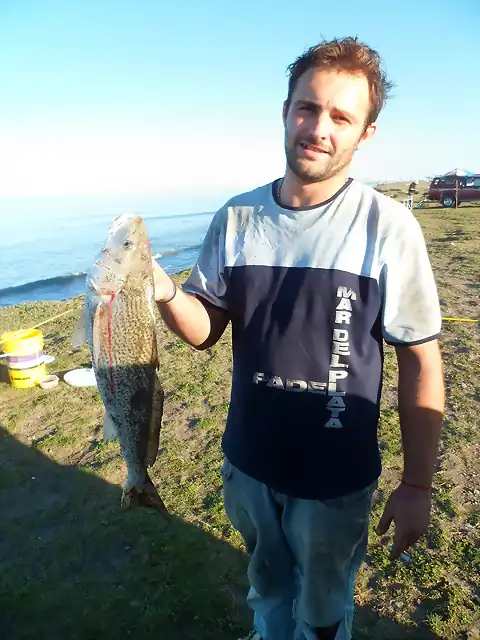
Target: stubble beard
310 175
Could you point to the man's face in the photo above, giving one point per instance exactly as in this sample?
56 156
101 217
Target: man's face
325 123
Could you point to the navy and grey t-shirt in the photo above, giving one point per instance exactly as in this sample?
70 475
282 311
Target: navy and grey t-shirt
312 294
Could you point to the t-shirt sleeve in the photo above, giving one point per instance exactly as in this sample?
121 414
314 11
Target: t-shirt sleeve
410 306
208 278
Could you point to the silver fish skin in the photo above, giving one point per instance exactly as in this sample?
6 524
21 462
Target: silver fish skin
121 333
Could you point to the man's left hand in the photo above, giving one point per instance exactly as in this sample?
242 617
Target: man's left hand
409 509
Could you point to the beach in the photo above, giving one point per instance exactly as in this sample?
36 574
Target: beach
83 568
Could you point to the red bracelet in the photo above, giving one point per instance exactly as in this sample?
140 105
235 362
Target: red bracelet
416 486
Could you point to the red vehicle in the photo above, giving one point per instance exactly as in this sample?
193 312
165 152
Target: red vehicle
443 189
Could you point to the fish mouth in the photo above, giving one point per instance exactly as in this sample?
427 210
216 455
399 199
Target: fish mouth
93 286
105 291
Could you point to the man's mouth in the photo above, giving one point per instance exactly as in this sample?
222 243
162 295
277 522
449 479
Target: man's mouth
312 148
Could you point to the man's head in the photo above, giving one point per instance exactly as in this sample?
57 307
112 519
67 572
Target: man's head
336 91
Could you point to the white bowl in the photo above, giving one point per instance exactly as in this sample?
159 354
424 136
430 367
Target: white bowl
49 382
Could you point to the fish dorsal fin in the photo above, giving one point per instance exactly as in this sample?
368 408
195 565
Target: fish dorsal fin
80 334
151 306
158 398
155 347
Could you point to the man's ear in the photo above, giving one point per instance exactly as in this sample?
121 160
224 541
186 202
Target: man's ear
285 112
367 134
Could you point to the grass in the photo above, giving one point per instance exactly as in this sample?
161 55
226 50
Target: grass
73 565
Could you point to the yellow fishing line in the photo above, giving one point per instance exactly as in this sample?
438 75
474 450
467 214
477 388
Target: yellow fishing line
40 324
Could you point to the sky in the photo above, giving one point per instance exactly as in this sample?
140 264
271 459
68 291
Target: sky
135 102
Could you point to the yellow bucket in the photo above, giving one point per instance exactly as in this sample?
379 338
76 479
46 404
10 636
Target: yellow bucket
25 357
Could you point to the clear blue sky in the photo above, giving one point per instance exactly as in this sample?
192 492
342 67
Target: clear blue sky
182 100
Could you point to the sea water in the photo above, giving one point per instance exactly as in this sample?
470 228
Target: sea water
47 258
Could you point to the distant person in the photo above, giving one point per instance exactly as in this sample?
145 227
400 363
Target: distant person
315 270
412 189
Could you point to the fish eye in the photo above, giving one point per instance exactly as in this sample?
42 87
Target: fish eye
127 244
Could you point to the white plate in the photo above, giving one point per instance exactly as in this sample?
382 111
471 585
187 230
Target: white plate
80 378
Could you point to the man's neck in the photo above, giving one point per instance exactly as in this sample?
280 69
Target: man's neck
295 193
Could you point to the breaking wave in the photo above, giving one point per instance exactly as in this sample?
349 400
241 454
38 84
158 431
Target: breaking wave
54 282
174 252
65 286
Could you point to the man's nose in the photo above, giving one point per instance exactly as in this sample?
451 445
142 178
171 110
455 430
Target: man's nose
323 126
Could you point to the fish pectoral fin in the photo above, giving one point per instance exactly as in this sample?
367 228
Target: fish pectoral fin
80 334
158 398
109 428
98 318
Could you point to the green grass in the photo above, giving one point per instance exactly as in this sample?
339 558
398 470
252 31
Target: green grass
74 565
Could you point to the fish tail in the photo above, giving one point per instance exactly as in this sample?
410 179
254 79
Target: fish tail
144 495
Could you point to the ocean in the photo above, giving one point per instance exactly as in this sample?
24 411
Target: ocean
46 248
47 258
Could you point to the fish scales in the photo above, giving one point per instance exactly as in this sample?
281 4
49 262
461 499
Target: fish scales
121 333
131 376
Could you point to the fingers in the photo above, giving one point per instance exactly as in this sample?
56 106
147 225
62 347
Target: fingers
156 269
410 514
401 542
399 545
385 520
402 539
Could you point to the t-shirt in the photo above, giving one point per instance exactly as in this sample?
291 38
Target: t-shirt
312 294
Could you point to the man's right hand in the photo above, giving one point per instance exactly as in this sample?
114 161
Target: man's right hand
196 322
164 286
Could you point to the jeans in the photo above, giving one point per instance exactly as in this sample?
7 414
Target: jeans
303 555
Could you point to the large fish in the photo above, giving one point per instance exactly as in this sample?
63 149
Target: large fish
119 326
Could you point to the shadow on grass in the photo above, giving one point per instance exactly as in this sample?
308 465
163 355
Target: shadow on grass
4 377
369 626
74 565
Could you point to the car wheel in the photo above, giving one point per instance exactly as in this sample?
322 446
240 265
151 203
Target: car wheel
448 201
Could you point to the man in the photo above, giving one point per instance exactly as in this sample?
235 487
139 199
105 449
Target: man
412 189
314 271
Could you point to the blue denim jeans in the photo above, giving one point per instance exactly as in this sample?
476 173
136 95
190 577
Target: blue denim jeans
304 555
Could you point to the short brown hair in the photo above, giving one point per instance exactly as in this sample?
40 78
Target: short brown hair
345 55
